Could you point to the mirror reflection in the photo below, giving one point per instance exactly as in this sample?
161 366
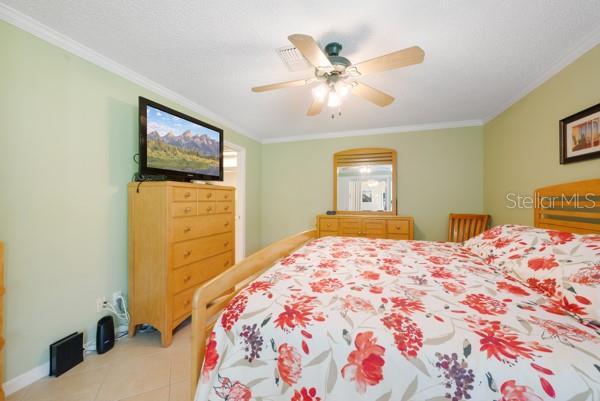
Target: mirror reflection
364 188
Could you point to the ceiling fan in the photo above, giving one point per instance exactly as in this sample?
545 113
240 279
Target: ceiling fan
335 75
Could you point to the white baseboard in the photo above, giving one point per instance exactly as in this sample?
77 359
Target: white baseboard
27 378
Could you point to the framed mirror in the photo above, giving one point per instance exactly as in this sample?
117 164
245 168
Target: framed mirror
364 181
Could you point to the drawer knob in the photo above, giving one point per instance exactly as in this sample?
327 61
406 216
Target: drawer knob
226 207
187 278
187 229
209 195
208 209
187 209
187 302
226 197
328 225
225 243
397 227
187 195
226 263
226 224
187 253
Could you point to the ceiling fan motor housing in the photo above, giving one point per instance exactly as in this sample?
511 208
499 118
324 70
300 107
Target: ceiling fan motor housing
333 50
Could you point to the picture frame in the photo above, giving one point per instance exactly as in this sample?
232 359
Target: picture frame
580 136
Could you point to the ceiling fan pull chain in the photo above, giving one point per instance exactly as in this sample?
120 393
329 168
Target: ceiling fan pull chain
339 113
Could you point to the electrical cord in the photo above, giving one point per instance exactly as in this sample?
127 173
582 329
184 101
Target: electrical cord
146 328
137 176
121 304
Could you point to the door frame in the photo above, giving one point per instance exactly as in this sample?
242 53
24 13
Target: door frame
240 200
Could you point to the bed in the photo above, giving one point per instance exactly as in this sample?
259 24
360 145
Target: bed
340 318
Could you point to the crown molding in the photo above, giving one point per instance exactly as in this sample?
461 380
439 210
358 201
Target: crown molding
376 131
44 32
587 44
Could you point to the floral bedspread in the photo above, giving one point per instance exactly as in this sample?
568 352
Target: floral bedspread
353 318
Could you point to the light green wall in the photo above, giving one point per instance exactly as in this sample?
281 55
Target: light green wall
439 172
68 134
521 144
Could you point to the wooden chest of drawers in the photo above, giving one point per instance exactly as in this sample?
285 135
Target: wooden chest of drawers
180 235
370 226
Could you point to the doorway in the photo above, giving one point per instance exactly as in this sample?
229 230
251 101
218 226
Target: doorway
234 175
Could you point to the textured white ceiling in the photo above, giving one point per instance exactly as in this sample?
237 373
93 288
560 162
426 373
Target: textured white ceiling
480 54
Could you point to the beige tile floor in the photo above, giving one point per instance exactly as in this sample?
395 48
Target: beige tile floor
136 369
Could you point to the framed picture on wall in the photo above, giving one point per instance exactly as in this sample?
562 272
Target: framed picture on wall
580 136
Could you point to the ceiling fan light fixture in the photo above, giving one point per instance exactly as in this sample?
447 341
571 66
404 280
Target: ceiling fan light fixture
320 91
334 99
342 88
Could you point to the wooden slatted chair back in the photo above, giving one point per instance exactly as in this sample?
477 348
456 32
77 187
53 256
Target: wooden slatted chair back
461 227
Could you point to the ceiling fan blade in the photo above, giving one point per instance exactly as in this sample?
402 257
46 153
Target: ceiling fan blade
316 107
398 59
372 94
310 50
280 85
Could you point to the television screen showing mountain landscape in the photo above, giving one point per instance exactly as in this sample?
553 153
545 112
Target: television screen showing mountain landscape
181 145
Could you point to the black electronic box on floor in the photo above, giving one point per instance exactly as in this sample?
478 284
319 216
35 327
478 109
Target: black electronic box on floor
105 335
66 353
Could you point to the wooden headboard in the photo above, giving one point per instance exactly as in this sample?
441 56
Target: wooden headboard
572 207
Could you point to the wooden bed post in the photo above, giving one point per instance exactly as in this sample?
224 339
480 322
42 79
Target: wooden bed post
214 295
198 339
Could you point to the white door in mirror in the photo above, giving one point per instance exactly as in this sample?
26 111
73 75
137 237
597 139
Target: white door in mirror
365 188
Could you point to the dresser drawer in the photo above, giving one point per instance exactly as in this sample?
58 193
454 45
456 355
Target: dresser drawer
207 208
224 207
184 194
181 209
199 272
194 250
201 226
206 195
328 233
349 226
328 224
398 226
398 236
375 228
182 303
224 195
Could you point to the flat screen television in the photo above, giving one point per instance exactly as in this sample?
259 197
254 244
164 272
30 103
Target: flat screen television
178 146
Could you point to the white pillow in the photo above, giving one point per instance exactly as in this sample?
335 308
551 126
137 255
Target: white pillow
563 266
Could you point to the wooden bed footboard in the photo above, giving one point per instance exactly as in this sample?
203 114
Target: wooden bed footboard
213 296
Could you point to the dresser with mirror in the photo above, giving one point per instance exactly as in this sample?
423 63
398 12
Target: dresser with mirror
365 197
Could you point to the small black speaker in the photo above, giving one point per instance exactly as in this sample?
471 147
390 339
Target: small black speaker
105 335
66 353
